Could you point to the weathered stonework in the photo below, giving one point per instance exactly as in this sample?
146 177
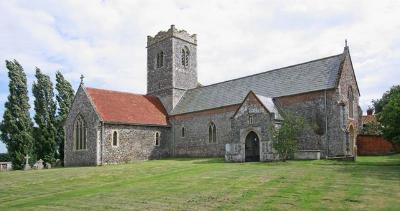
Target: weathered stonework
170 81
134 143
196 143
347 79
90 156
316 108
260 123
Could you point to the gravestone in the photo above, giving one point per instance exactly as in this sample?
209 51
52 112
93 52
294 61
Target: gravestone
27 166
58 162
39 164
5 166
47 165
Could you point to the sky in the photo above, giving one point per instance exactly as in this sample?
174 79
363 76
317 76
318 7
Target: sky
106 40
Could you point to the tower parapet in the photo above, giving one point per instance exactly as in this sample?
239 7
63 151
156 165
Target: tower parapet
172 32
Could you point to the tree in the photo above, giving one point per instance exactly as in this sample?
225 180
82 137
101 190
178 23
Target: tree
372 128
45 109
389 117
65 97
380 103
284 138
16 127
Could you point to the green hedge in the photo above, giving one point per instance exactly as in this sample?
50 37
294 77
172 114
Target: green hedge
4 157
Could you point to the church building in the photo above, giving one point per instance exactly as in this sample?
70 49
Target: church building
178 117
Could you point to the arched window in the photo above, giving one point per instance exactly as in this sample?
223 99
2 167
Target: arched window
251 119
80 133
183 132
115 139
212 133
350 99
185 55
157 139
160 59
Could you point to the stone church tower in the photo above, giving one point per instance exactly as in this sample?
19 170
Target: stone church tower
171 65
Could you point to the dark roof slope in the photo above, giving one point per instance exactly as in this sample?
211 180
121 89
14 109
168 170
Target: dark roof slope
129 108
301 78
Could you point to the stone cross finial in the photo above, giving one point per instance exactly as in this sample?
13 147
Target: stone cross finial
82 77
345 43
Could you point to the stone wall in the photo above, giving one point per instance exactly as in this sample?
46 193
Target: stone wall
82 106
134 143
321 121
195 143
347 79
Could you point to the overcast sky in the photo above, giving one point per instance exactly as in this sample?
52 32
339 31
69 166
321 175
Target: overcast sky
106 40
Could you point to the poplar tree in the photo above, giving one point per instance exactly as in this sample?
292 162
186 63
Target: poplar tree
45 110
16 126
65 97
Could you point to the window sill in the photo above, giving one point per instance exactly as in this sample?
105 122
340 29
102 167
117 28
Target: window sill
80 150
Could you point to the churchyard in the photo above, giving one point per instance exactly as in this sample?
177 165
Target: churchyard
370 183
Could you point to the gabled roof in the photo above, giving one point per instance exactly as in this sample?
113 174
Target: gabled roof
368 119
269 104
266 102
127 108
310 76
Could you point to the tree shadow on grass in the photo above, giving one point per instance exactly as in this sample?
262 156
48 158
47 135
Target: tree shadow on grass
210 160
197 160
381 167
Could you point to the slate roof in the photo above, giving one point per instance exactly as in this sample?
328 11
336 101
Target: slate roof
310 76
128 108
269 104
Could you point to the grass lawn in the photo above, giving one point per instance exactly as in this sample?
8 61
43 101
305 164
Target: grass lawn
371 183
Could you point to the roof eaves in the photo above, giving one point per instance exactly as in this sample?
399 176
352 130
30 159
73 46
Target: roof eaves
136 124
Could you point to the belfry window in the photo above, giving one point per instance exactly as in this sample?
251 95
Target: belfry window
160 59
185 55
212 133
157 139
115 139
80 133
350 99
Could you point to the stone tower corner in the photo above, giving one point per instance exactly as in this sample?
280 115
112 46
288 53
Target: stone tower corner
171 65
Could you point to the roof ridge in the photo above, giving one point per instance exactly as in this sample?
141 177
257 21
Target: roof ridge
122 92
276 69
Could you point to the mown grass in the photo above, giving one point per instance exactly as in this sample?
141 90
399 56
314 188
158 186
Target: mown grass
371 183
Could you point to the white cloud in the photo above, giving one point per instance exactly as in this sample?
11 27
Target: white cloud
105 40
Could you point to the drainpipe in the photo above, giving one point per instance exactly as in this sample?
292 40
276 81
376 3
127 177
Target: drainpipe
326 126
102 142
173 140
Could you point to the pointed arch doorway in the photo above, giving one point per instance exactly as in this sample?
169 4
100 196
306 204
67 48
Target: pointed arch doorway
252 147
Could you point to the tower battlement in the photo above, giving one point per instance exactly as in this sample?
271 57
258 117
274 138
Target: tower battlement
172 32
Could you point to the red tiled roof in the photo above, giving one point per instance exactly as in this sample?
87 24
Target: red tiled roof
368 119
123 107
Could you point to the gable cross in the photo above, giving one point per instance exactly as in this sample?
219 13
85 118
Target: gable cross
82 77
